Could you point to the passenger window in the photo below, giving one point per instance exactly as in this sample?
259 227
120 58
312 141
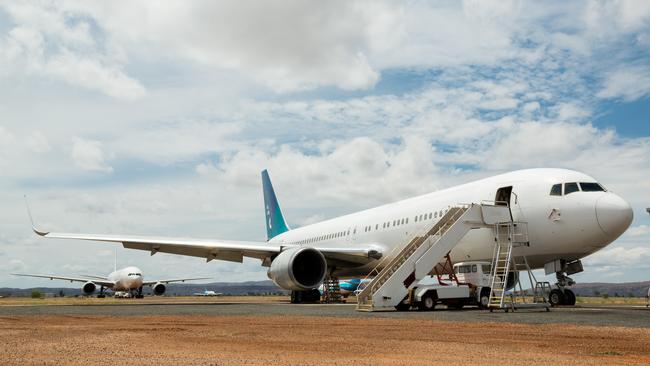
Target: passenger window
420 217
435 214
486 268
591 187
407 220
430 215
440 213
473 268
377 227
556 190
416 219
570 188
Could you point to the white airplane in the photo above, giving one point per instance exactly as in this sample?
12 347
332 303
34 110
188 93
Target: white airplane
569 216
126 280
208 293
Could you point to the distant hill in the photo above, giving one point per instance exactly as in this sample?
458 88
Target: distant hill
612 289
179 289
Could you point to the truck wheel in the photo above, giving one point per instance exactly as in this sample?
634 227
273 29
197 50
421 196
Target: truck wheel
484 299
427 303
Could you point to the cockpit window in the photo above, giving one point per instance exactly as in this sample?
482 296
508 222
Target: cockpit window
570 188
591 187
556 190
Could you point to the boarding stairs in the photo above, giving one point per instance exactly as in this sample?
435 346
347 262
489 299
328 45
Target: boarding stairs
507 236
331 291
405 266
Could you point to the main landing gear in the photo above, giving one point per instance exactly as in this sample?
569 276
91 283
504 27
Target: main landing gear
139 295
308 296
101 293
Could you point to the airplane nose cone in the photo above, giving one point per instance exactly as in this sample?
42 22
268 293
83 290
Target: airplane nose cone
614 214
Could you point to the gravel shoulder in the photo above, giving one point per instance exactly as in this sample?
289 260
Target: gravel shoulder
309 340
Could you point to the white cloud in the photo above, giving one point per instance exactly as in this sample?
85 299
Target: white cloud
88 155
49 42
629 83
621 257
641 230
470 89
286 45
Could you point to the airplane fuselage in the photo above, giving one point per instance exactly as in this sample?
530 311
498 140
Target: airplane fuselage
567 226
126 279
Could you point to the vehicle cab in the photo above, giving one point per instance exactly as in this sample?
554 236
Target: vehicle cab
475 273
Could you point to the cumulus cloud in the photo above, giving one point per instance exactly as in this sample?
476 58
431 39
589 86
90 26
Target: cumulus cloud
621 257
46 41
88 155
641 230
222 90
629 84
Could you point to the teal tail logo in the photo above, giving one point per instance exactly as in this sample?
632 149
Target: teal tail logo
275 224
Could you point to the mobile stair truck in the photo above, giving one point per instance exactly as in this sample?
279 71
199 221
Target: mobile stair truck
396 282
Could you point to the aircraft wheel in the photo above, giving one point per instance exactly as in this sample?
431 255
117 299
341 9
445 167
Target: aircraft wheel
427 303
556 297
101 296
569 297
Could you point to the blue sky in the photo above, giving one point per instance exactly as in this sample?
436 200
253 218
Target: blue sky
157 118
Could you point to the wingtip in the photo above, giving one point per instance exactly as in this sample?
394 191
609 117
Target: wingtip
39 232
31 219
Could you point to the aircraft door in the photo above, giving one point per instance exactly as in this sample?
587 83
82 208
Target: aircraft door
503 197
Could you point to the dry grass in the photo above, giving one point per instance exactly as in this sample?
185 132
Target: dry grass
148 299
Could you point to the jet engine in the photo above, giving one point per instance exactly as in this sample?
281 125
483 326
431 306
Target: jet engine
298 269
88 288
159 289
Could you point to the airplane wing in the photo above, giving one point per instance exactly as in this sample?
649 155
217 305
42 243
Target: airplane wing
233 251
93 277
100 282
149 283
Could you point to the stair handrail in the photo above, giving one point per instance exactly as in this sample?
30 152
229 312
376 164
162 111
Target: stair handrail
420 236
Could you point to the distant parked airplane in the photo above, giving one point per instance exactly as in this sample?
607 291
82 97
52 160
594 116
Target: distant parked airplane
208 293
127 279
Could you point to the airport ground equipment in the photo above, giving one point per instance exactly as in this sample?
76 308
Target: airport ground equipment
467 283
331 291
506 268
405 266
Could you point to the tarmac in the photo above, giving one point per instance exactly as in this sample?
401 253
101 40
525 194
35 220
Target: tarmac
600 315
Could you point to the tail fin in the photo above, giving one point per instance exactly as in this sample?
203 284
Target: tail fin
275 224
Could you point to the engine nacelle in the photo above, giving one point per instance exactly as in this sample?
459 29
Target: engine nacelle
88 288
159 289
298 269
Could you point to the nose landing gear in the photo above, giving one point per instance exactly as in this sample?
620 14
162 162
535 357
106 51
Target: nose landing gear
562 295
